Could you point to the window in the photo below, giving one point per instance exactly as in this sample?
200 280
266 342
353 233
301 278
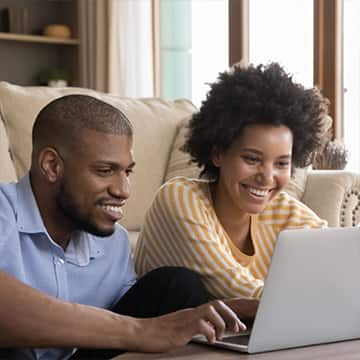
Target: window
315 40
282 31
193 46
352 82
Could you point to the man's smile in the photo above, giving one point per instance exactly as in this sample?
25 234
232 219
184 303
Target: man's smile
114 211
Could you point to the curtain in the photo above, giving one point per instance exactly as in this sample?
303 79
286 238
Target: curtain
136 57
94 44
116 46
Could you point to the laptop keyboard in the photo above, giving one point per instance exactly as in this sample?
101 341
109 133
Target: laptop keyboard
239 340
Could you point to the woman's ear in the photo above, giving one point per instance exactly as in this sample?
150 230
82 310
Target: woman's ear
216 157
50 164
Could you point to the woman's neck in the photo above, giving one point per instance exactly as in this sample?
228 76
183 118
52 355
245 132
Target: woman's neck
235 221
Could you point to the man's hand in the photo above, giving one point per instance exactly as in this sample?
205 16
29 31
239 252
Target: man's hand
176 329
30 318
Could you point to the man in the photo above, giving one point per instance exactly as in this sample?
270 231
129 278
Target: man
64 259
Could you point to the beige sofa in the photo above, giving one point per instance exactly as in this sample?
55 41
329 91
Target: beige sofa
159 128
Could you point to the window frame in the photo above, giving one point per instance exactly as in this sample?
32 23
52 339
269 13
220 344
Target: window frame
328 50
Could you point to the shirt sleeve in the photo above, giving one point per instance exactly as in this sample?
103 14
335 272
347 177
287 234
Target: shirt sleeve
179 231
290 213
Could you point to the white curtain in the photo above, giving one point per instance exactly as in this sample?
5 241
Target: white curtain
116 46
136 57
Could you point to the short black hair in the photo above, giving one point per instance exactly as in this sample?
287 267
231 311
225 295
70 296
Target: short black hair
63 119
265 95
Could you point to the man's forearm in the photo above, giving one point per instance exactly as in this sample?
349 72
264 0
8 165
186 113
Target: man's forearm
29 318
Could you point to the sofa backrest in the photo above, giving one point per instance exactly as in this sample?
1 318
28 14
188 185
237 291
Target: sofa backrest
160 129
7 169
155 123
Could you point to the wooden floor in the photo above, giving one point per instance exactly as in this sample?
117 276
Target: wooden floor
346 350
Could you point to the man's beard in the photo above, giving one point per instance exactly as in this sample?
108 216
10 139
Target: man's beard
73 214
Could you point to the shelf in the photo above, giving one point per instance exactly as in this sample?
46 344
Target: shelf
38 39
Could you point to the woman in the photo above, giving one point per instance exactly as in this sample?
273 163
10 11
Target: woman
255 125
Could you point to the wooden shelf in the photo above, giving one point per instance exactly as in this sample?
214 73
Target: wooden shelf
24 56
38 39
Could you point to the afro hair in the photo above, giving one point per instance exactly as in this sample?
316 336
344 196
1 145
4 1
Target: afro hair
251 95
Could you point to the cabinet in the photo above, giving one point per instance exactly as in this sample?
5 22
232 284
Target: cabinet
27 58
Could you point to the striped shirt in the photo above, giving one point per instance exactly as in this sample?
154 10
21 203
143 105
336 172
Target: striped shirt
181 229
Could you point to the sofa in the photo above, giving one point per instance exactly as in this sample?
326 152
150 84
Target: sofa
159 131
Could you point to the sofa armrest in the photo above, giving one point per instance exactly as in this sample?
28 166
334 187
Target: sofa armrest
334 195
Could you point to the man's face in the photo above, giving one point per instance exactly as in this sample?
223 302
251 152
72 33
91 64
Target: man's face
95 184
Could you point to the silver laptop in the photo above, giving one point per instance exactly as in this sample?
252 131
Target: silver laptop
311 294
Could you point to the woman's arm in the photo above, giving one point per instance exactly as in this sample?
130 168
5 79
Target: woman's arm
180 231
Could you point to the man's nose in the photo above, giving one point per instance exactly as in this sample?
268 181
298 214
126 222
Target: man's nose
120 187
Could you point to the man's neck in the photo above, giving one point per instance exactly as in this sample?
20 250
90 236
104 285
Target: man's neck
59 228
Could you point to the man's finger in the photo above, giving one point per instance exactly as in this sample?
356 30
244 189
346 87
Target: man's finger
232 322
215 319
208 330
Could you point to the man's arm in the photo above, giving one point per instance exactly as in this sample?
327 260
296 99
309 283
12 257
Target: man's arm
29 318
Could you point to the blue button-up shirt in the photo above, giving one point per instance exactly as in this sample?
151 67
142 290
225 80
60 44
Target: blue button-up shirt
93 270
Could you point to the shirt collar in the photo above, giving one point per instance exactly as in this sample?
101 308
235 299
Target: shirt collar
83 246
28 215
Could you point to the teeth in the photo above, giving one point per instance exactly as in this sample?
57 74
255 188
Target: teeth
258 192
116 209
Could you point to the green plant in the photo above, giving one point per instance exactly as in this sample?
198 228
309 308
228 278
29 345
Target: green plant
333 155
53 74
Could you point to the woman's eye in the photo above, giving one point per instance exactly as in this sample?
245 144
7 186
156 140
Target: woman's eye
251 159
283 164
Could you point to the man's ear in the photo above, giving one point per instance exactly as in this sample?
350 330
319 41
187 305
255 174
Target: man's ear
50 164
216 157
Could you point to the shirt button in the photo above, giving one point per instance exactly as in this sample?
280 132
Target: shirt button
61 261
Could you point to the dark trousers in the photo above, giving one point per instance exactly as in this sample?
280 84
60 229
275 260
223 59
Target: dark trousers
159 292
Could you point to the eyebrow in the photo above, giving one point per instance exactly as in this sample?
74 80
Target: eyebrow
113 164
286 156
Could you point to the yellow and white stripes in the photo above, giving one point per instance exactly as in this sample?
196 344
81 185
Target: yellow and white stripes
182 229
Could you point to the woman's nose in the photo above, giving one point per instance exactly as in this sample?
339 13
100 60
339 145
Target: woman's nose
265 175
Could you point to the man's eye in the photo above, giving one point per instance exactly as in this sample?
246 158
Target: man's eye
105 172
129 171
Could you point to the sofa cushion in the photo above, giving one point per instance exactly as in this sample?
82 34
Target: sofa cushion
7 173
19 107
179 162
179 165
154 120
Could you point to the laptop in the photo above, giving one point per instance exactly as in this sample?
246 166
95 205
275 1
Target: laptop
311 293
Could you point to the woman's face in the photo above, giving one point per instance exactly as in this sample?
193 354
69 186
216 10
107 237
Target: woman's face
255 168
